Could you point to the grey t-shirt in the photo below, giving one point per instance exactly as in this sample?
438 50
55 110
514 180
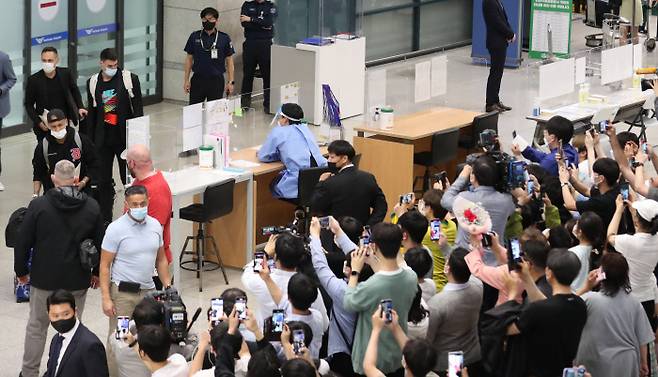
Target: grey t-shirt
135 246
454 314
616 328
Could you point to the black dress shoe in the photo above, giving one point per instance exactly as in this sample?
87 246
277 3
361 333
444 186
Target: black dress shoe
493 108
503 107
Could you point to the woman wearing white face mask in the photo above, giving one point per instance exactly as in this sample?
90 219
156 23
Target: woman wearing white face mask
52 87
62 143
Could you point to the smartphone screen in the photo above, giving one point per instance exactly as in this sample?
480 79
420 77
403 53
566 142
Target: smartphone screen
487 241
123 326
324 222
568 372
455 363
278 320
516 249
435 230
297 341
603 126
387 310
258 261
531 187
241 307
623 190
271 264
216 310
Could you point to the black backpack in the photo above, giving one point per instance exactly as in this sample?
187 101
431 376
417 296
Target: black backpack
12 231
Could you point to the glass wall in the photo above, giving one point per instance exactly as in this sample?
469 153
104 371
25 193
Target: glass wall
80 30
398 27
14 26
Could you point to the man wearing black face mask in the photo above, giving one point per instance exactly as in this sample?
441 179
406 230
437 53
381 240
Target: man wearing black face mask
74 351
348 191
209 55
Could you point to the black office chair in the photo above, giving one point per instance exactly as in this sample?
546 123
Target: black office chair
217 202
482 122
444 149
308 179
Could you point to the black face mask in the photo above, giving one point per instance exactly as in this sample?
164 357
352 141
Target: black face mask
64 325
333 169
207 25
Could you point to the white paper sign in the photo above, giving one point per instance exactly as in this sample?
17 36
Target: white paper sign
638 56
192 115
139 131
439 76
581 70
192 138
376 88
290 93
556 79
423 89
616 64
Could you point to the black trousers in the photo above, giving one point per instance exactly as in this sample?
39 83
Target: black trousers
206 88
107 154
256 53
341 363
495 74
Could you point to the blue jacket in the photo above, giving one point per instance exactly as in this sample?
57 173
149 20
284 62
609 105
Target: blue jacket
7 80
547 160
293 145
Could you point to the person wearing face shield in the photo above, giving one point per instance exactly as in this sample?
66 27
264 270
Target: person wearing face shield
53 228
63 143
209 55
292 143
114 96
52 87
74 350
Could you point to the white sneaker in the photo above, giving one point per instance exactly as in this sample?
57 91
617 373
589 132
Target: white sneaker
2 187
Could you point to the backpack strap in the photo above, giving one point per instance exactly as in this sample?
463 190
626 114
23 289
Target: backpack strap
93 82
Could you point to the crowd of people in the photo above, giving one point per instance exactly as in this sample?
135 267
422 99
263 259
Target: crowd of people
485 276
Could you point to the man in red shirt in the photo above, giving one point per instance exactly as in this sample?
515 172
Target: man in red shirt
140 166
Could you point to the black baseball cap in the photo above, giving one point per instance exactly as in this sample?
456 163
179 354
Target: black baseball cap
55 115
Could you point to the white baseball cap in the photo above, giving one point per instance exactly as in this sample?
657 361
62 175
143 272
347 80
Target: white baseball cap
647 209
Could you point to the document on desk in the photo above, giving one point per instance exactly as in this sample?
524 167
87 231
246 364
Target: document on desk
193 115
556 79
422 84
638 56
616 64
244 164
439 76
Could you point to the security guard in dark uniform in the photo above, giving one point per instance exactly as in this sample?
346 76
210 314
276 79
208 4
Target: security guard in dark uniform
209 55
257 18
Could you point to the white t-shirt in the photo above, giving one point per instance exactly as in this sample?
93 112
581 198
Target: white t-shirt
176 367
582 252
641 252
240 369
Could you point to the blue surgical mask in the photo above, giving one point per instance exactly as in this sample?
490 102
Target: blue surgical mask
139 214
110 72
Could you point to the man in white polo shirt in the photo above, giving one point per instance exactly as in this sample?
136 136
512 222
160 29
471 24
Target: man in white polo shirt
131 248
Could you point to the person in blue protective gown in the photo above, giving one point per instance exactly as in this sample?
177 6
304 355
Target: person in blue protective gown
292 143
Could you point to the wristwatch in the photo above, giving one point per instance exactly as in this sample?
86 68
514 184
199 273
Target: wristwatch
354 273
564 184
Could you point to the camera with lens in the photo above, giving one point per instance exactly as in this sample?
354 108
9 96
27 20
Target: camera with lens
512 173
175 313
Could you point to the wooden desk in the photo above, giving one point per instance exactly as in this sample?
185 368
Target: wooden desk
389 154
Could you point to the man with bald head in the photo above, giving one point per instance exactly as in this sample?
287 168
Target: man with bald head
140 166
54 226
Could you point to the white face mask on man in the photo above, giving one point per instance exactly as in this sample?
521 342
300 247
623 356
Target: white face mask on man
48 67
58 134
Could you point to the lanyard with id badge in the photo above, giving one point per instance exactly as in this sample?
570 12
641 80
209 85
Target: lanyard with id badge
214 54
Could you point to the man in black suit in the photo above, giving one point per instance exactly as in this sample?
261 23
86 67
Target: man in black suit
74 351
348 191
499 35
52 87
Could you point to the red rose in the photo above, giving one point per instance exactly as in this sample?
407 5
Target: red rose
470 216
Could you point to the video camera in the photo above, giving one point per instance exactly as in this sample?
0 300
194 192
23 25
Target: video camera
299 227
175 313
512 173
